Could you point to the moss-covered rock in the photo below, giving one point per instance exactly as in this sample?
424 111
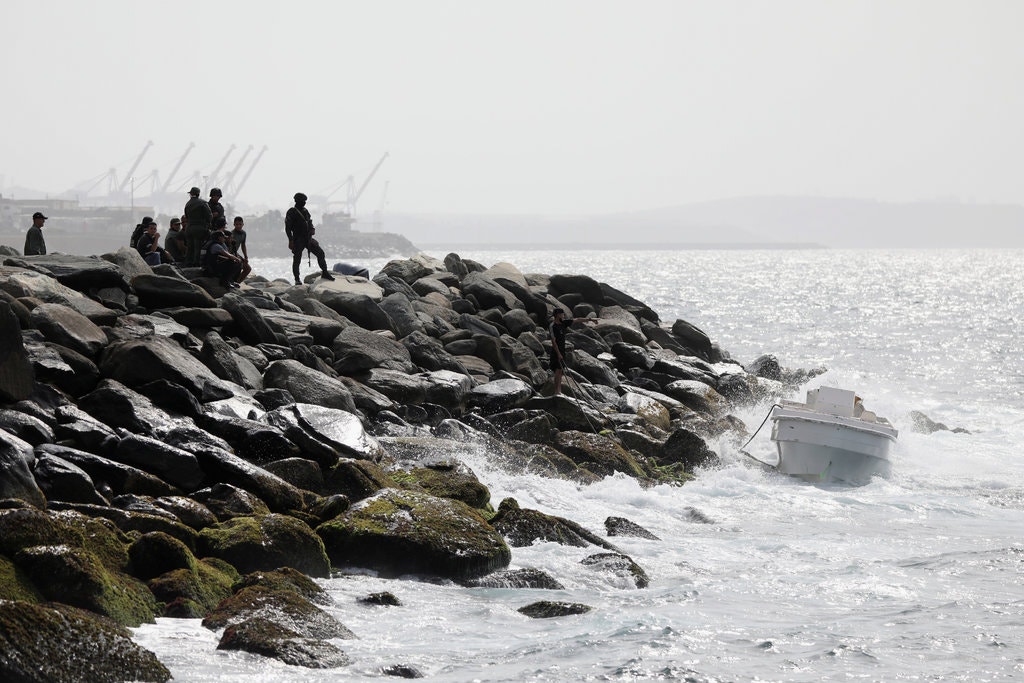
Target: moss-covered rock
99 536
44 644
528 577
356 479
598 453
405 532
264 637
157 553
77 577
383 599
199 588
266 542
27 527
15 584
546 609
286 579
446 480
284 607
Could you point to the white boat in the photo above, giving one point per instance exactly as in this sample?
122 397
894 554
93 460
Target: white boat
831 438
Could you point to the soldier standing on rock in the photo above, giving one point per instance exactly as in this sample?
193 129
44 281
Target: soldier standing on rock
35 244
298 225
199 217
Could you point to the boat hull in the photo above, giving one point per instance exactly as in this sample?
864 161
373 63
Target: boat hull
830 450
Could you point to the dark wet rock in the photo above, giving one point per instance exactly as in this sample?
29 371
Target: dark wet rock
766 366
286 579
323 433
500 395
618 319
517 578
222 360
271 399
598 453
693 338
356 479
299 472
488 293
138 362
429 354
583 285
296 325
111 474
70 371
357 349
385 599
447 479
257 442
266 543
226 502
360 309
174 465
403 532
67 327
191 513
285 607
76 577
620 526
61 480
446 388
619 565
522 527
396 385
84 431
570 413
129 521
81 273
25 427
200 317
648 410
91 648
198 588
264 637
400 310
157 553
224 467
548 609
164 291
171 397
16 372
686 448
697 396
16 461
308 386
250 324
369 401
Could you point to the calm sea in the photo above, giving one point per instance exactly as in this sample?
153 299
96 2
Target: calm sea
916 577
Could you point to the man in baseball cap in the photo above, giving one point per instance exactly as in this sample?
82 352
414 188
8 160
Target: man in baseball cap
35 245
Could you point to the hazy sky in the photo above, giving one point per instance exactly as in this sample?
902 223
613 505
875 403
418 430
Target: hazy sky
535 107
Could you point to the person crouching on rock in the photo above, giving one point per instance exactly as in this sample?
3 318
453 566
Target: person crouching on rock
220 262
298 226
556 330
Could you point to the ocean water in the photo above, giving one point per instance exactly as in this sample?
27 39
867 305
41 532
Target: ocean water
918 576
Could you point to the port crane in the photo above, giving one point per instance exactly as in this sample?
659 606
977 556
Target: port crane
353 193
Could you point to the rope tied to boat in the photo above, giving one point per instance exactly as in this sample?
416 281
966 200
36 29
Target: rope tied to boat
758 460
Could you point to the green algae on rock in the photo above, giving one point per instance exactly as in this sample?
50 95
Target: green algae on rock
404 532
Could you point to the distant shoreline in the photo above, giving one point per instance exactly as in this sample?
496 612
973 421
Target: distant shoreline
622 246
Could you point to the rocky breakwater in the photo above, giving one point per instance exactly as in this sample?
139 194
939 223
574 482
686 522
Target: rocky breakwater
170 448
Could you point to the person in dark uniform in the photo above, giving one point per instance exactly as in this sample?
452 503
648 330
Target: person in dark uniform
35 244
298 226
557 330
199 217
220 262
216 208
236 243
176 241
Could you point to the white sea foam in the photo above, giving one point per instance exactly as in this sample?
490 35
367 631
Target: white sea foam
917 576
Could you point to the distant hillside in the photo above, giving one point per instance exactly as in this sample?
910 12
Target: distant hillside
832 222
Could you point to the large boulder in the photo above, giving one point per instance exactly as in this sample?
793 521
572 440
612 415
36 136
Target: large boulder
356 349
266 543
16 372
222 466
47 289
67 327
160 291
140 361
39 644
77 272
403 532
488 293
16 481
307 385
75 576
523 527
228 365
